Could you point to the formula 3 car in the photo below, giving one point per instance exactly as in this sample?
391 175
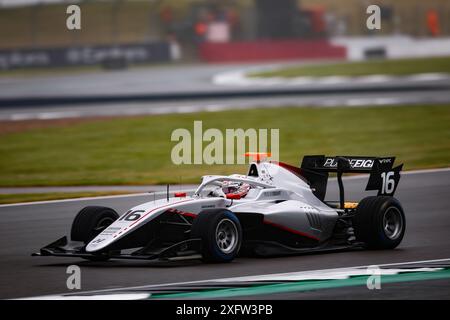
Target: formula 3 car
275 209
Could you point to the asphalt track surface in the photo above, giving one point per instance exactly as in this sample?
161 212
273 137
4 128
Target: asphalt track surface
190 88
158 79
173 79
221 104
26 228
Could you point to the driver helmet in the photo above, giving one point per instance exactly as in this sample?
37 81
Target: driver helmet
233 189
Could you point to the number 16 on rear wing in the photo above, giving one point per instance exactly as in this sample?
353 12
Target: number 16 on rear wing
383 176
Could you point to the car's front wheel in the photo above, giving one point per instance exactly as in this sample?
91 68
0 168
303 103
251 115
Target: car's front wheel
89 222
379 222
221 234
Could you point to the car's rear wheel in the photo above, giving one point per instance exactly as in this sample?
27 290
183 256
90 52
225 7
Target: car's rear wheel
221 234
379 222
90 222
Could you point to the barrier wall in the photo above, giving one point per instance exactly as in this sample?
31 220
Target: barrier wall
270 50
394 47
86 55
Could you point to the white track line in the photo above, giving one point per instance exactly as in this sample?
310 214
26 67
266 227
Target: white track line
425 171
403 173
222 280
361 176
94 198
124 296
240 77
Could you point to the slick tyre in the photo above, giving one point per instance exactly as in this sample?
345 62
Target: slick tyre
379 222
89 222
221 235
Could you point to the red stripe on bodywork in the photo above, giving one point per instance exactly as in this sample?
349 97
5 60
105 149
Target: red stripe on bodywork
183 213
279 226
297 171
188 214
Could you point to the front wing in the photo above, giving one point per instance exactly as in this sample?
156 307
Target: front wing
188 249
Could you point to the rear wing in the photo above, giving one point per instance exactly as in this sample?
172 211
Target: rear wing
383 177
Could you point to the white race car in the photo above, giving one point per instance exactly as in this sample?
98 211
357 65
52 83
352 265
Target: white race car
275 209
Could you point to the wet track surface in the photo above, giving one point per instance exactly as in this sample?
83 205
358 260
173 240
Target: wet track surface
357 99
175 79
24 229
191 88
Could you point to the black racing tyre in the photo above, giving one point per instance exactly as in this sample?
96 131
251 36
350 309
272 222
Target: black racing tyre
90 221
379 222
221 234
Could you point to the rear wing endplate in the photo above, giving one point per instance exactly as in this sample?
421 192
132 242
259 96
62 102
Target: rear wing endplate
383 176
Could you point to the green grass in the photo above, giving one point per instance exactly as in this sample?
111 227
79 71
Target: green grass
387 67
138 150
30 197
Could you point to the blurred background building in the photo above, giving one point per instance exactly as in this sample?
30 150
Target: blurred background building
218 30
